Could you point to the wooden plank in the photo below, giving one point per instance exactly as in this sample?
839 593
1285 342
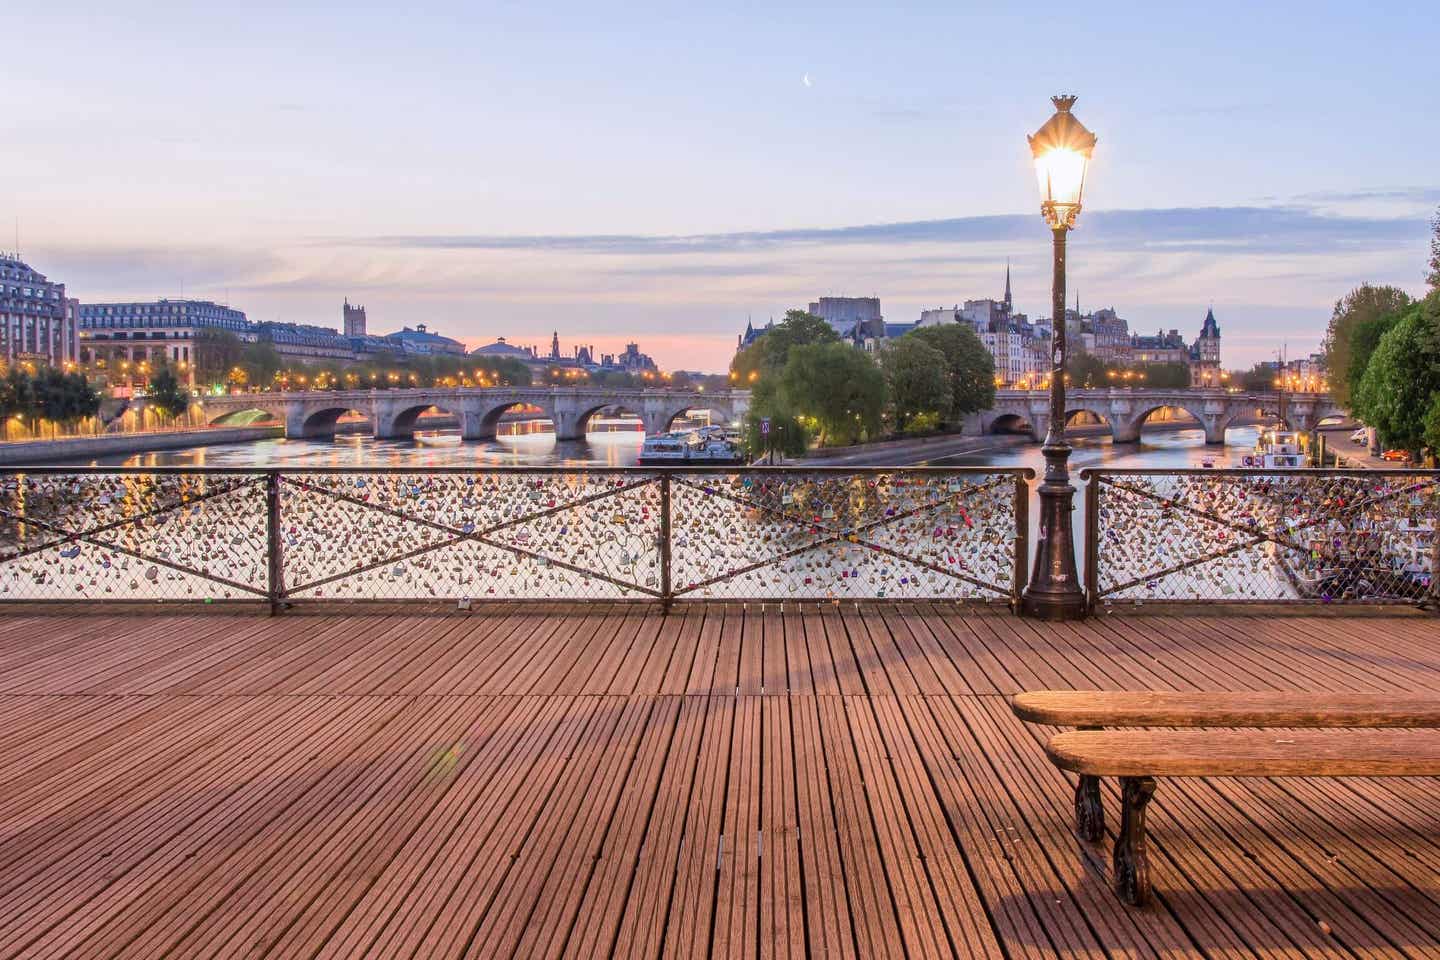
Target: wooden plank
1155 708
1247 753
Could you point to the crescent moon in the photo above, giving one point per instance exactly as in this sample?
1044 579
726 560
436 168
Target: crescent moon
806 80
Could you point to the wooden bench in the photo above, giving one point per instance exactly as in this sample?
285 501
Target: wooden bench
1138 756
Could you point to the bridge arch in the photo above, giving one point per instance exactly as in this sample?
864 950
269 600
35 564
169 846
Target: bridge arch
400 422
244 416
664 420
319 421
1211 422
1010 423
484 423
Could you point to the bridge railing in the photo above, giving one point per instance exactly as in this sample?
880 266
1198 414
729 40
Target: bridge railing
287 536
1309 536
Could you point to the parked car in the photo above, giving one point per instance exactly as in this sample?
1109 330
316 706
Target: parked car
1395 456
1361 435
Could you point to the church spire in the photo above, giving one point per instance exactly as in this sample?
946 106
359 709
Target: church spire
1009 304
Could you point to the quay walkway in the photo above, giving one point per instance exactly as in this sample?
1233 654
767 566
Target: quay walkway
730 780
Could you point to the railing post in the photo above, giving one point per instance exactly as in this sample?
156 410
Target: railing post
1092 538
666 592
1022 539
276 560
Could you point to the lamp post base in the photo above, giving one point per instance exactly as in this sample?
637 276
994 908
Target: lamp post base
1054 591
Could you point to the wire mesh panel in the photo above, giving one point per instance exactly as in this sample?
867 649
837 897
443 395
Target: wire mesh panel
498 535
132 536
836 534
1291 535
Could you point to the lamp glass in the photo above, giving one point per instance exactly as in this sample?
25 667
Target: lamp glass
1061 173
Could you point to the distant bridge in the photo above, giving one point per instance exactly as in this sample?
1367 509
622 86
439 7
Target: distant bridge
393 413
1126 409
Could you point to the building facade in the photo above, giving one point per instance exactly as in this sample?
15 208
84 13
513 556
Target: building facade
423 342
154 330
38 322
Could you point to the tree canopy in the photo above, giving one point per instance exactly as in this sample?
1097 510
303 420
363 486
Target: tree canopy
771 349
1347 350
837 387
167 394
1432 275
917 378
969 368
1401 381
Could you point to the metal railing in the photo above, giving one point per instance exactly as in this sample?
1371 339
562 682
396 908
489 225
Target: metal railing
1321 536
293 535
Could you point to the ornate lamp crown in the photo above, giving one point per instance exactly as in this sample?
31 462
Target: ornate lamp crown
1062 149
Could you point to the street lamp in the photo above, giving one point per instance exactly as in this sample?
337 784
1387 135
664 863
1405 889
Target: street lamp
1062 149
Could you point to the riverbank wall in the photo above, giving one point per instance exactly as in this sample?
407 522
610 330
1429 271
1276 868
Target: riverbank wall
68 450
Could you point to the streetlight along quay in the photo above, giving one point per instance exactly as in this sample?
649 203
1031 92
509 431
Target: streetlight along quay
1062 149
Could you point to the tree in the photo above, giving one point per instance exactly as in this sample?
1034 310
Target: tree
837 387
216 353
1086 369
1361 307
969 367
1402 378
64 397
17 395
770 351
785 435
1432 424
915 374
1166 376
1433 277
167 393
1258 379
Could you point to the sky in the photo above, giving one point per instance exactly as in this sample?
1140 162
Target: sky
663 172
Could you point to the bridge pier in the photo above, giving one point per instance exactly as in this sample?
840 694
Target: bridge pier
569 424
475 426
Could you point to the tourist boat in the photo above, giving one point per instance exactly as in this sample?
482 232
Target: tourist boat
1276 449
709 446
438 439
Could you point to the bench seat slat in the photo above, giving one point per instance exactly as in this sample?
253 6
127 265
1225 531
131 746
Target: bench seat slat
1100 708
1247 753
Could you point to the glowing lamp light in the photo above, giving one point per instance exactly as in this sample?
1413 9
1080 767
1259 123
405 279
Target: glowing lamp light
1062 150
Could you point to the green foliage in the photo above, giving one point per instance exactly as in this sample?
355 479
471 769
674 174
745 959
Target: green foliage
216 352
969 367
1258 379
770 351
167 394
1402 378
923 423
1165 376
1432 276
916 376
1347 348
787 436
1432 424
64 397
49 394
1085 369
17 395
838 388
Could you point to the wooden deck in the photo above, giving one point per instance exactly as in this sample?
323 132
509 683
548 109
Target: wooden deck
724 782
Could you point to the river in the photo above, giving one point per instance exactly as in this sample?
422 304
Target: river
616 443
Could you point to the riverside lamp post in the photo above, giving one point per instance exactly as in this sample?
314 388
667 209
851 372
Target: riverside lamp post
1062 149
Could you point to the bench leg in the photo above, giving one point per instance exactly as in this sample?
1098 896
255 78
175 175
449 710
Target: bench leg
1132 864
1089 811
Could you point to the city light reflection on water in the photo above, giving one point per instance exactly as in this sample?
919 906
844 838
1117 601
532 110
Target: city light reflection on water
616 443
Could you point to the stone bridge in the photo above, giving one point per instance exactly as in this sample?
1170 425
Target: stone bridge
393 413
1125 410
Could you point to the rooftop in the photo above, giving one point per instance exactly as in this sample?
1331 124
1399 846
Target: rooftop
602 779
